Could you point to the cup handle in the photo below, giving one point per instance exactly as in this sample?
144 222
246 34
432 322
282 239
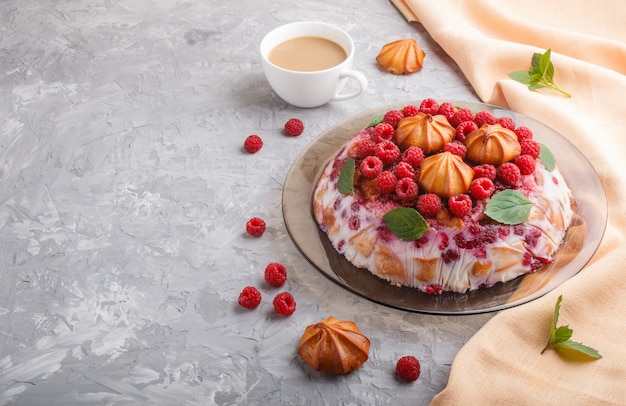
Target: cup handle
359 78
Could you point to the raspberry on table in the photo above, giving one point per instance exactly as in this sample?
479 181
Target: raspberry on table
460 205
456 148
365 149
250 297
294 127
462 114
388 152
284 304
526 164
447 110
413 156
507 122
429 106
393 117
508 173
484 117
406 189
255 226
408 368
382 132
530 147
275 274
253 143
429 204
404 170
464 129
410 110
371 166
523 133
482 188
386 182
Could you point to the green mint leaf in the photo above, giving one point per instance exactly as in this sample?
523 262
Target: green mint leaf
540 74
508 207
561 334
544 64
406 223
545 155
580 348
521 76
555 317
377 119
535 61
345 183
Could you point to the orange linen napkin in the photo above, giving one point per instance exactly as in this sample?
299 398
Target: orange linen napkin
502 364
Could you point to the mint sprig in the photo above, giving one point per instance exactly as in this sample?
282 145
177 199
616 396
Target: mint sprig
406 223
560 337
508 207
539 75
345 183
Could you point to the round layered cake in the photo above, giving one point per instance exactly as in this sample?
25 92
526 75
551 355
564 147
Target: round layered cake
439 198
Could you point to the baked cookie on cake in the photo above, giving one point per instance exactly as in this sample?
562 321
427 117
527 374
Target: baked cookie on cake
439 198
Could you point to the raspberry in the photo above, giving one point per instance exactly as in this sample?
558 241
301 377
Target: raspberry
255 227
484 117
530 147
507 122
294 127
393 117
508 173
408 368
523 133
253 143
284 304
413 156
429 204
382 132
465 128
404 170
526 164
460 205
456 148
406 189
365 149
429 106
386 182
485 171
433 289
371 166
447 110
482 188
275 274
354 222
250 297
410 110
388 152
462 114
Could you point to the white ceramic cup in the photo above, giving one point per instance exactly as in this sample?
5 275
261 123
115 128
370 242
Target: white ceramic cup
311 89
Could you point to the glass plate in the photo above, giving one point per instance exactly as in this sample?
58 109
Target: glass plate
579 245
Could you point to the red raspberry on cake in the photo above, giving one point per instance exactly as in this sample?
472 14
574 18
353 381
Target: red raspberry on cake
456 148
462 114
410 110
413 156
482 188
408 368
275 274
404 170
250 297
382 132
294 127
393 117
284 304
460 205
508 173
526 164
484 117
365 149
447 110
530 147
386 182
523 133
429 204
429 106
485 171
371 166
507 122
253 143
464 128
255 226
388 152
406 189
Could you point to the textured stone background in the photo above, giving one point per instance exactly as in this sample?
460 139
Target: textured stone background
124 193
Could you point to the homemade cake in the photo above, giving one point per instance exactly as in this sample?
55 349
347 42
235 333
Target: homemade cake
440 198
